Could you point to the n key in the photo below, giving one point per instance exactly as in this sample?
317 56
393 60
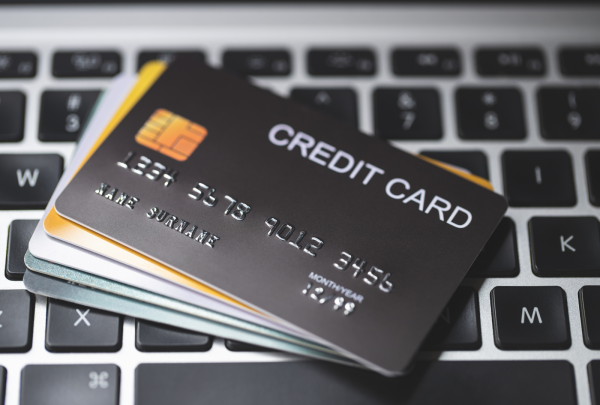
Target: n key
27 181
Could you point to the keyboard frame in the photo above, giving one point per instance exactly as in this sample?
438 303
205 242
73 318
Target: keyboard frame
130 29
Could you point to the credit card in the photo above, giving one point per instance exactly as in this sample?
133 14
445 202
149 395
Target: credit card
289 211
52 287
110 286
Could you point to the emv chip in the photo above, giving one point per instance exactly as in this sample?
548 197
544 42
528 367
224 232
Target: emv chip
171 134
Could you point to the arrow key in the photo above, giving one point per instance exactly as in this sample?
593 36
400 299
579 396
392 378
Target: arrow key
565 246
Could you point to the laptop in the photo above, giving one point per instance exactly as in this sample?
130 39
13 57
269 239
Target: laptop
508 91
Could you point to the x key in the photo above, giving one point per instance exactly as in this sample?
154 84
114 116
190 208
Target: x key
71 328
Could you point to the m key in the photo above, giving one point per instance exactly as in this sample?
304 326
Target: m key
27 181
565 246
530 318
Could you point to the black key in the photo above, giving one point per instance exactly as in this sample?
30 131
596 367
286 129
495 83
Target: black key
70 384
565 246
309 382
86 64
74 328
12 116
589 307
28 181
569 112
580 61
2 384
341 62
594 380
490 113
339 103
17 65
473 161
64 113
167 56
458 326
499 257
16 318
19 233
510 62
426 62
258 62
538 179
154 337
592 163
407 113
236 346
530 318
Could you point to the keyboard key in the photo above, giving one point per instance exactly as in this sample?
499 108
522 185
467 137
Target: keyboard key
86 64
530 318
258 62
426 62
565 246
154 337
510 62
407 113
458 326
580 61
167 56
19 233
74 328
490 113
499 257
16 318
64 113
17 65
569 112
339 103
592 163
12 116
473 161
2 384
70 384
538 179
589 305
235 346
594 380
28 181
309 382
341 62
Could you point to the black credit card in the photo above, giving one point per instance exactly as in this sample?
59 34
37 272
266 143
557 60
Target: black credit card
339 234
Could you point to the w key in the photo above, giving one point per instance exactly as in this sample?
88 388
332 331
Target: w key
27 181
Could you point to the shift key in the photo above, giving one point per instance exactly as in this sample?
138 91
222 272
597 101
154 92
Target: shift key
27 181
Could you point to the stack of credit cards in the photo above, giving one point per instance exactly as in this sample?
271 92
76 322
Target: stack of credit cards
198 200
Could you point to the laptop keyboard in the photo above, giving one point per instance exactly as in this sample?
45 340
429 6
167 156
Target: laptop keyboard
525 117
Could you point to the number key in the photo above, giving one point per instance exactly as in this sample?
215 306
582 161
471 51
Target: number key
70 384
490 113
569 113
63 114
339 103
407 113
